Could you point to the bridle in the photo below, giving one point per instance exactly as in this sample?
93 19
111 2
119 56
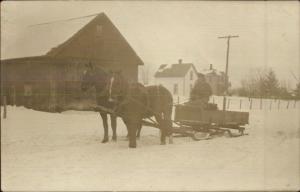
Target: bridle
111 81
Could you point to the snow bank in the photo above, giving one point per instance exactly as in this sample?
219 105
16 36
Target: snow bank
46 151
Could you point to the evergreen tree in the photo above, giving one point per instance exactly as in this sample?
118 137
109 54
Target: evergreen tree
297 91
270 84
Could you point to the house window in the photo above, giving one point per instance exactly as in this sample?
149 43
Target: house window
175 90
191 75
99 29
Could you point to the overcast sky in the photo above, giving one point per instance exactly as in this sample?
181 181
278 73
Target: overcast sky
163 32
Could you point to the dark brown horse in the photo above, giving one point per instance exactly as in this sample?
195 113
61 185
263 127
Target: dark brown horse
136 102
98 78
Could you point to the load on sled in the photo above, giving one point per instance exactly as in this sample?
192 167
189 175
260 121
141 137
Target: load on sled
203 120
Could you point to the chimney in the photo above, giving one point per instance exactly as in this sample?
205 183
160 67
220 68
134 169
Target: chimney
210 67
180 61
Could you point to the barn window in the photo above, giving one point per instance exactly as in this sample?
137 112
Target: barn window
99 29
191 75
27 90
175 89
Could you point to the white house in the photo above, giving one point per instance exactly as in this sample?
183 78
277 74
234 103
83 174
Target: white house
177 78
216 79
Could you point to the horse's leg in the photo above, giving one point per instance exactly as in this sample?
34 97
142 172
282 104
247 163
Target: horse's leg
132 128
113 121
168 124
105 126
139 128
162 127
125 120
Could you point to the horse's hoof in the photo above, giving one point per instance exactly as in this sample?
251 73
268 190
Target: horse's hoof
114 139
132 146
104 140
163 143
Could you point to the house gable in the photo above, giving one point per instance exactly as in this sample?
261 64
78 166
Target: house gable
98 40
188 74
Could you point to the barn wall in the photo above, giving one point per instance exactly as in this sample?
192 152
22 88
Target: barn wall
46 85
27 84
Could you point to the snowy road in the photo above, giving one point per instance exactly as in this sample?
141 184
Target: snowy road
45 151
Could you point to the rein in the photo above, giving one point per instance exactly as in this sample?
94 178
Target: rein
110 88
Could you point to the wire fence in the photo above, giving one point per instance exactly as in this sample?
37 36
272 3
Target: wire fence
248 104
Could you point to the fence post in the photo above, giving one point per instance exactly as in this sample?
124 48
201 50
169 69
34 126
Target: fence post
240 104
278 104
4 107
260 103
287 106
295 103
270 104
228 103
250 103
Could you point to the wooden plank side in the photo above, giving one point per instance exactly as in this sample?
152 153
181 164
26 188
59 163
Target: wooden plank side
191 113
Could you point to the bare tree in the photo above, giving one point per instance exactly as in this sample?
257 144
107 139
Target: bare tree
260 83
297 91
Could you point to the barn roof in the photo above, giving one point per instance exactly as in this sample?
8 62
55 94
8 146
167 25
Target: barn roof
174 70
42 58
108 55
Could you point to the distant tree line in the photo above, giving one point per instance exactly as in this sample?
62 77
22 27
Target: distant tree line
265 84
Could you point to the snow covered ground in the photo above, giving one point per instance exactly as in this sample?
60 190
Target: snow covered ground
46 151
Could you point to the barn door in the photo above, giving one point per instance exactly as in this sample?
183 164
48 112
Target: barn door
27 95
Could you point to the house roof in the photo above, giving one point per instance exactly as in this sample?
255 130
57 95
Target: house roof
174 70
211 71
113 45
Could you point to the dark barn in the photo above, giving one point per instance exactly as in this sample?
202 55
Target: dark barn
51 82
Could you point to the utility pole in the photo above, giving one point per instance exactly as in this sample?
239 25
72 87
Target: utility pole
226 70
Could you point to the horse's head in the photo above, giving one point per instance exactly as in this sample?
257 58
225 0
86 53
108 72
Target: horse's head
93 77
118 86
